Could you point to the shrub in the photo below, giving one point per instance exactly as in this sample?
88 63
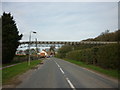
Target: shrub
105 56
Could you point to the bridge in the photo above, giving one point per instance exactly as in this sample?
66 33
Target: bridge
67 42
60 43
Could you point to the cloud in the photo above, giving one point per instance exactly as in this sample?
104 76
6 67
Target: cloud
63 21
60 0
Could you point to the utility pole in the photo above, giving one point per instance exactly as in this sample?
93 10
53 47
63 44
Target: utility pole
29 46
36 48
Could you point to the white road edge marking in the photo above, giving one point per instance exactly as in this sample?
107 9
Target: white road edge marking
71 85
62 70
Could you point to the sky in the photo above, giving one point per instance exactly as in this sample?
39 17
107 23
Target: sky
63 21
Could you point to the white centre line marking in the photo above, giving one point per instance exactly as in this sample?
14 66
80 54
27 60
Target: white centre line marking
71 85
57 64
62 70
69 82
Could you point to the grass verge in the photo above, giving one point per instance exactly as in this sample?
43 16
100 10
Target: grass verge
9 73
3 65
111 73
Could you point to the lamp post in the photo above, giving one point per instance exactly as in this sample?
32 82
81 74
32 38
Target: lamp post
36 48
29 46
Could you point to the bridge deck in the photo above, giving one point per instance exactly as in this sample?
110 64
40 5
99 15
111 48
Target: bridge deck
67 42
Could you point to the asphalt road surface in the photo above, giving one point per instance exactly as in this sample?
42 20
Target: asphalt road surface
57 73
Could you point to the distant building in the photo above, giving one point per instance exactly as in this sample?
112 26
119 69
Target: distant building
43 53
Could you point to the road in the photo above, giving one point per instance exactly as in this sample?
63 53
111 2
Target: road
56 73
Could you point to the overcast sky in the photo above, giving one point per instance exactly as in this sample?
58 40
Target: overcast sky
60 21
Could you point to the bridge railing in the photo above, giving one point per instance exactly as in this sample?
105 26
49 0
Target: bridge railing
69 42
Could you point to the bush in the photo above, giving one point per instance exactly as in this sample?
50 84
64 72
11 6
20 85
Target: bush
104 56
107 56
63 51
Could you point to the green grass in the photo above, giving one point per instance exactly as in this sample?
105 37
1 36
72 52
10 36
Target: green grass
111 73
11 72
0 77
3 65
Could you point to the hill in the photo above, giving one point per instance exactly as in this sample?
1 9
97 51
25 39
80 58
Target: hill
106 36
